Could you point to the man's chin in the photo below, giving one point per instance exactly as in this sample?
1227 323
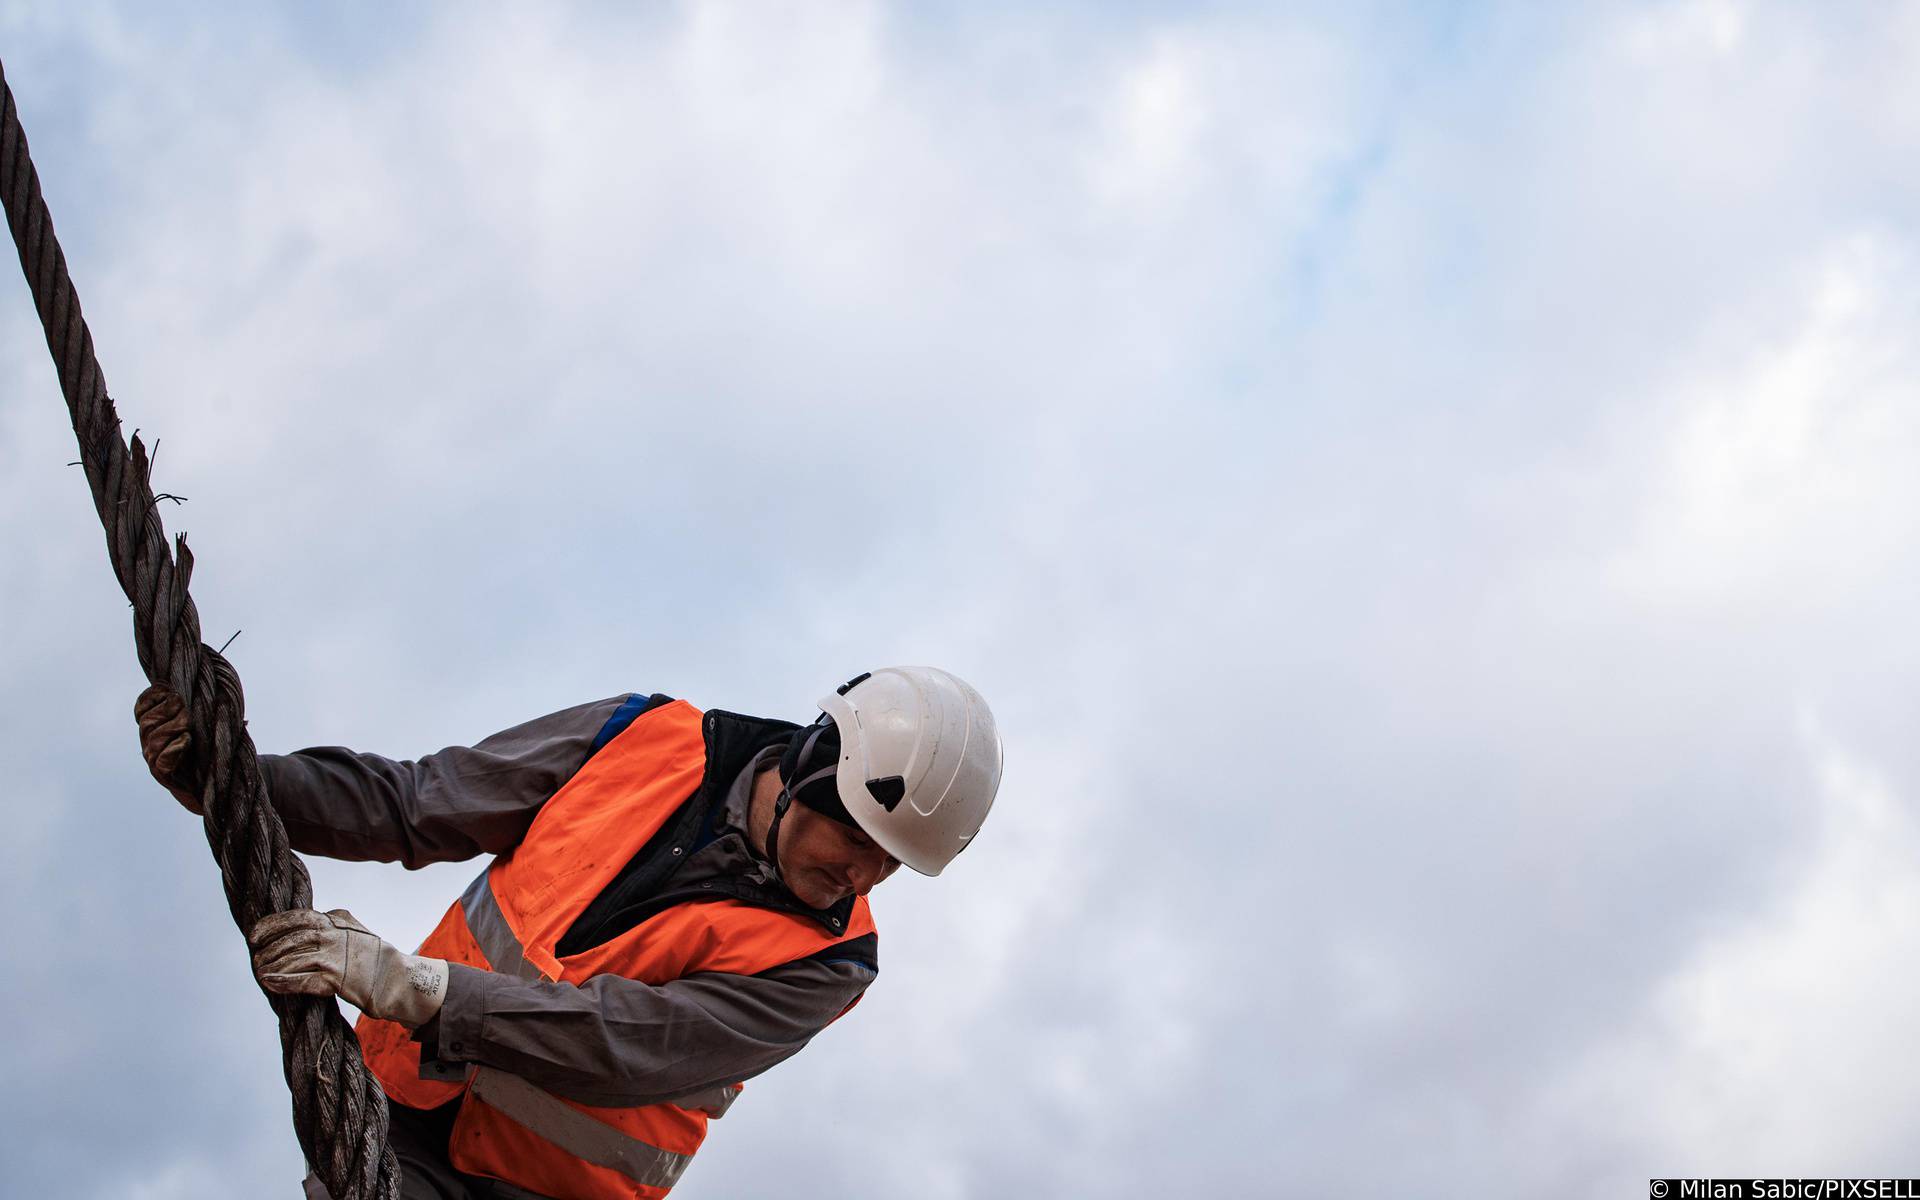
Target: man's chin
821 897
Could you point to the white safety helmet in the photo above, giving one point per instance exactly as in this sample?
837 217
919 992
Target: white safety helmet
919 761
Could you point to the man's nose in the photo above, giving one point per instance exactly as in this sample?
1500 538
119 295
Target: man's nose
868 872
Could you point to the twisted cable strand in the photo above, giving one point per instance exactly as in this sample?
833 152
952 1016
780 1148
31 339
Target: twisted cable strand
339 1111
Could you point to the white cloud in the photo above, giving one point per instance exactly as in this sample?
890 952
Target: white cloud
1778 1046
1715 25
1787 469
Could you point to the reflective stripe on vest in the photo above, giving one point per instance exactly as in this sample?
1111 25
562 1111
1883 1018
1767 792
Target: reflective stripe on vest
490 929
576 1132
713 1101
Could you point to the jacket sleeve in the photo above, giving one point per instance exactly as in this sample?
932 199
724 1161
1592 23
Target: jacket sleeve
614 1041
459 803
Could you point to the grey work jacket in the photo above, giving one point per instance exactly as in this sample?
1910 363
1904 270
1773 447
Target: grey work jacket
610 1041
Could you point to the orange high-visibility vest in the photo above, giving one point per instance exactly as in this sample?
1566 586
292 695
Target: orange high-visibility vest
511 920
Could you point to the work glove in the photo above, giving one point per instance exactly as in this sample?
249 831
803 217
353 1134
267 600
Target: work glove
164 741
307 953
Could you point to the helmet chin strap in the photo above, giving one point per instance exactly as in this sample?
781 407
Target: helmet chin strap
787 791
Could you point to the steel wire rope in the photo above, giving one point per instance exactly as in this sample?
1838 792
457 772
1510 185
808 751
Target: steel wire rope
339 1111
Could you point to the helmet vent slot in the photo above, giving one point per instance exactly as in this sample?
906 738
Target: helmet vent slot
887 792
855 682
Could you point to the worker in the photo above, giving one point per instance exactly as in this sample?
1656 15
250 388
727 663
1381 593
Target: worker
677 902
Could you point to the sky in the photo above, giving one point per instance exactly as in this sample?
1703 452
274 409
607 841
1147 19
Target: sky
1426 489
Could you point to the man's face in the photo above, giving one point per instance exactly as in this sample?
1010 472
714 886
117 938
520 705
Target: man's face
824 862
